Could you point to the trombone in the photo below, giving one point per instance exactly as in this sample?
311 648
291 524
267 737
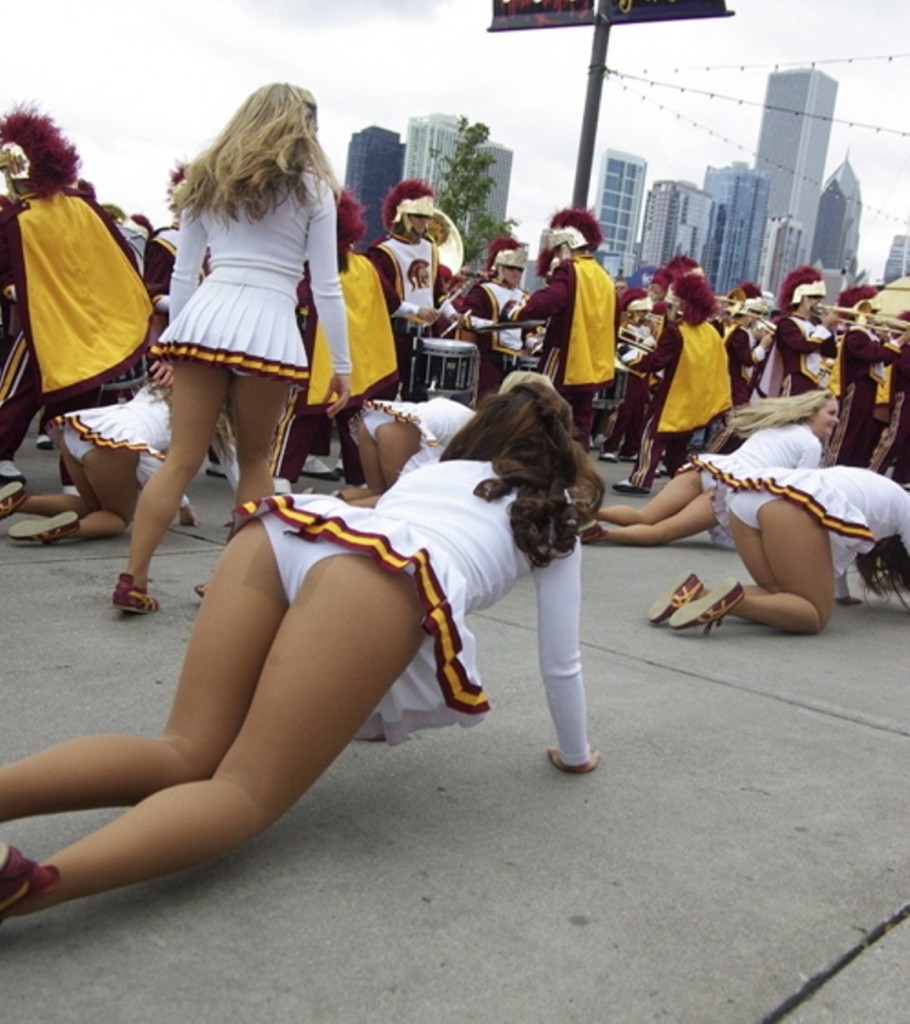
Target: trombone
868 318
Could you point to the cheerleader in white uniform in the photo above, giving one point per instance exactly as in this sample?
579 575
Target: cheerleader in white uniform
795 529
261 202
397 437
110 452
779 432
273 686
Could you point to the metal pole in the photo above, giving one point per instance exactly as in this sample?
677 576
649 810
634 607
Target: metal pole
592 105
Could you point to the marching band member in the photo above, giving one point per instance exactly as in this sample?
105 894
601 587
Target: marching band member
483 304
803 338
694 389
863 358
624 427
369 303
579 304
80 304
407 259
893 449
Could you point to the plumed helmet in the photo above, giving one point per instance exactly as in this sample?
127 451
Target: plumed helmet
409 196
51 160
798 284
351 226
749 289
681 265
695 297
630 295
176 186
662 280
580 227
506 251
859 295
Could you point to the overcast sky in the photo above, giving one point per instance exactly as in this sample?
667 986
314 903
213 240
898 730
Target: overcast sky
138 85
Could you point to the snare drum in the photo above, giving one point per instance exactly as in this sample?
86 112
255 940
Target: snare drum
511 363
447 368
611 396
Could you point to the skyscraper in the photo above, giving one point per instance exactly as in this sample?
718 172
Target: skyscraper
737 227
677 217
620 196
375 161
898 264
433 138
836 242
793 146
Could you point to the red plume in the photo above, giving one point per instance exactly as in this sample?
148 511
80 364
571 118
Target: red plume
142 221
505 243
410 188
796 277
680 265
749 289
630 295
53 161
582 220
849 297
351 226
696 297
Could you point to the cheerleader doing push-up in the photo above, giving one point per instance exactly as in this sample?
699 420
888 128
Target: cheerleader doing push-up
272 688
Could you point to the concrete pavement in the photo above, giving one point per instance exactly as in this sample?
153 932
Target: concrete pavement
747 832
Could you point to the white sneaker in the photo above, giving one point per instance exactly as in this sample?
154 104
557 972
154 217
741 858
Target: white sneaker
9 473
43 442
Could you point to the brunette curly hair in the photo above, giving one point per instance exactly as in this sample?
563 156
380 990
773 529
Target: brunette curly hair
526 433
886 569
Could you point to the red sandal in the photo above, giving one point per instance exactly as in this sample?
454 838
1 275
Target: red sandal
132 599
20 876
709 609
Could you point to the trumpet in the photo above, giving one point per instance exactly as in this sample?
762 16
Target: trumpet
868 318
627 336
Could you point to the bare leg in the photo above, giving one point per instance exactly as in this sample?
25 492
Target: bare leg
257 406
199 395
397 442
313 693
216 686
790 560
52 504
111 474
695 517
372 472
670 500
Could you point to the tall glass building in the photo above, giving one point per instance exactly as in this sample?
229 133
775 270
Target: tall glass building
793 146
434 137
677 218
620 197
836 242
737 227
375 162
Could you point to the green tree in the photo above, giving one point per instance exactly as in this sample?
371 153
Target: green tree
465 188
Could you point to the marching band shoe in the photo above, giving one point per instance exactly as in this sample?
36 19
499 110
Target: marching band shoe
681 591
592 532
44 443
709 609
48 530
20 876
628 458
316 468
132 599
608 457
9 474
11 497
627 487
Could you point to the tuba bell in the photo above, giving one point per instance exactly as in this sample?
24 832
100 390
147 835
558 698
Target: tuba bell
441 230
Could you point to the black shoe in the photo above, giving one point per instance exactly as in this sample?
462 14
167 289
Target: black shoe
607 457
627 487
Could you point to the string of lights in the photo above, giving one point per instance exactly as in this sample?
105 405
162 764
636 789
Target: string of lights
778 65
770 164
878 129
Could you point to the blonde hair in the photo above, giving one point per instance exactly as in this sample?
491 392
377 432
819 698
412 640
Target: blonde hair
777 412
259 158
517 377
